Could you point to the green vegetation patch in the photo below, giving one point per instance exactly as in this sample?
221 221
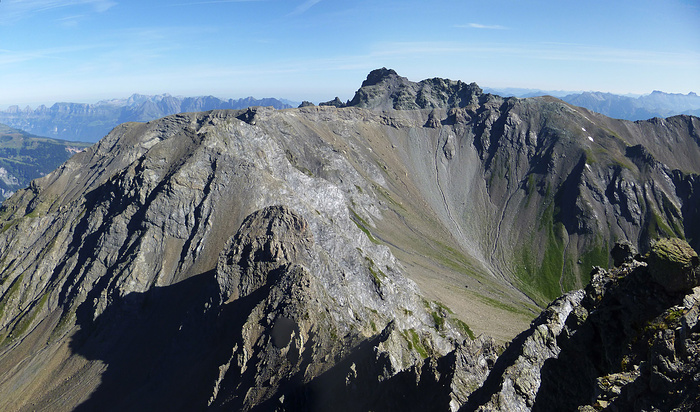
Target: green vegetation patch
387 196
596 256
500 305
362 225
8 225
377 274
669 320
540 279
453 259
443 307
295 163
674 315
459 324
27 319
657 227
438 320
414 342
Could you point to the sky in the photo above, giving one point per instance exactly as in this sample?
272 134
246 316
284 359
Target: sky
88 50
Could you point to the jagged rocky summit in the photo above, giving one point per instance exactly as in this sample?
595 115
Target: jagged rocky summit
372 256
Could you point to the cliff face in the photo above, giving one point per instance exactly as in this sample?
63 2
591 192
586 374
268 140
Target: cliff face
287 259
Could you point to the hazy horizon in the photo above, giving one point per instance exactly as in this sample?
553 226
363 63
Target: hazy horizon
85 51
520 91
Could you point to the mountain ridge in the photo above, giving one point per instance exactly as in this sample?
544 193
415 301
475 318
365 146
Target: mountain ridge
324 253
643 107
90 122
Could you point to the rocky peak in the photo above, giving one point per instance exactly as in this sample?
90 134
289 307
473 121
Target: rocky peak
385 89
380 75
335 103
269 241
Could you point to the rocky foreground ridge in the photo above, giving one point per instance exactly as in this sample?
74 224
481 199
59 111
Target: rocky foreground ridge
366 257
629 341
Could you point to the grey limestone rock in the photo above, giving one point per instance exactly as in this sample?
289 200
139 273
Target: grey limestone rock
516 380
269 241
294 343
385 89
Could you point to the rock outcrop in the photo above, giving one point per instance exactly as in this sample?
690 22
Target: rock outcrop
385 89
626 342
335 103
674 265
290 338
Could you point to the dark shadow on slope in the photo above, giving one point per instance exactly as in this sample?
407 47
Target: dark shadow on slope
567 196
156 346
162 348
688 190
611 335
362 381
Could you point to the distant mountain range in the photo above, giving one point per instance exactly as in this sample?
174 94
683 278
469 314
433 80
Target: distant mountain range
656 104
90 122
24 157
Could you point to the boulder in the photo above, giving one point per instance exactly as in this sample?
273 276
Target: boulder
674 265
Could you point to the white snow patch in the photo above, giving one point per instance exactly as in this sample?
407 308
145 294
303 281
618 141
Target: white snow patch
590 138
588 166
583 128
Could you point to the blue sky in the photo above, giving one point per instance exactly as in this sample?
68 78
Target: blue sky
87 50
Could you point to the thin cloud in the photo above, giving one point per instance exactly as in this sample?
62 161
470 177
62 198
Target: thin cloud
8 57
71 21
199 3
481 26
16 10
302 8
